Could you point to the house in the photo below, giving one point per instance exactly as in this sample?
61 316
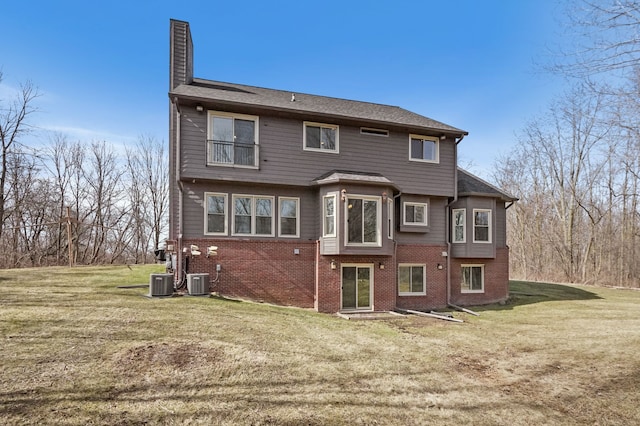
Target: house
325 203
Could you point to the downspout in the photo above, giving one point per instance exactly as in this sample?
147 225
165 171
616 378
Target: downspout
448 217
395 245
180 193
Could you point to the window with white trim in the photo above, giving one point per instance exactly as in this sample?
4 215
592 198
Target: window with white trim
390 214
215 214
411 280
481 225
424 148
329 215
363 220
232 139
472 280
289 214
320 137
414 214
253 215
459 225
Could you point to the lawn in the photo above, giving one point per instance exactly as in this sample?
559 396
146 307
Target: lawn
76 349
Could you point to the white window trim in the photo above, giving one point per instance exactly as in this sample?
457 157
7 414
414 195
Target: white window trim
481 266
206 213
378 201
424 279
254 118
324 216
490 230
404 214
297 200
428 138
390 217
464 226
253 215
372 271
335 127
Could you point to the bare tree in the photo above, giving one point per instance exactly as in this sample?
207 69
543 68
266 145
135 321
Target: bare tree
147 167
603 37
14 116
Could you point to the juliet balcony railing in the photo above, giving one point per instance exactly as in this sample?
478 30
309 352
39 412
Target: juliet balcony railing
232 153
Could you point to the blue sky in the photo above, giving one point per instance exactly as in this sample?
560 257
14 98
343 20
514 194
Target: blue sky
102 67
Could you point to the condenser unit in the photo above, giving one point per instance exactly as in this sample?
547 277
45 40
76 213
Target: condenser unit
161 285
198 284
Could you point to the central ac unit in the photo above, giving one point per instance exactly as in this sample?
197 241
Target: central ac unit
161 285
198 284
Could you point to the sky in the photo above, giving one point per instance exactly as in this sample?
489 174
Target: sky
102 68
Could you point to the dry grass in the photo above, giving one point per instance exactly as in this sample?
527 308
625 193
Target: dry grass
78 350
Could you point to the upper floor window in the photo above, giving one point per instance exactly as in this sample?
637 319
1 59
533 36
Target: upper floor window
289 214
363 220
252 215
232 139
329 215
481 226
415 214
320 137
459 225
216 214
424 148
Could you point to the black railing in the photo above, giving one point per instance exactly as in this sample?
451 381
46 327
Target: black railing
223 152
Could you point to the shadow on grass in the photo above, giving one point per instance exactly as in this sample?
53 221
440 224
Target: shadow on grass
528 292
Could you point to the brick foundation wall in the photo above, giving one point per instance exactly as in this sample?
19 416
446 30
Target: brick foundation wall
436 279
261 270
496 280
328 296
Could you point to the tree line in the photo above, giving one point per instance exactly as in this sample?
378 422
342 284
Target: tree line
77 202
576 167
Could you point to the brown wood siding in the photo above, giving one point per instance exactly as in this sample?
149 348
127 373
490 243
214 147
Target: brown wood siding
284 161
501 225
181 59
471 249
437 224
194 205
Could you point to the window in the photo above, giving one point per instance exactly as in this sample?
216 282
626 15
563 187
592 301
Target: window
415 214
363 221
423 148
411 280
289 213
373 132
216 214
481 226
232 139
459 225
320 137
252 215
390 214
329 214
472 279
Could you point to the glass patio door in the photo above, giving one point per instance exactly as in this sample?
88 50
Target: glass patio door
356 287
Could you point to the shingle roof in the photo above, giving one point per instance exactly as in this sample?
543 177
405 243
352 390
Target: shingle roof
304 103
469 184
335 176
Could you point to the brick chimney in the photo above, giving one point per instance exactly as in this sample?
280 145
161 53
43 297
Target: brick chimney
180 54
